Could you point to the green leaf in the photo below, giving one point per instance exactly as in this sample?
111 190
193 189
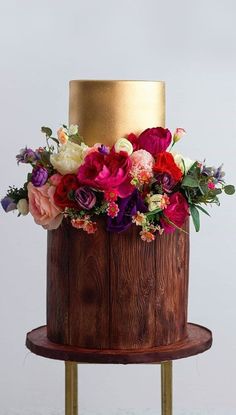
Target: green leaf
215 192
55 140
76 138
229 189
190 181
47 131
203 189
202 209
193 167
195 217
153 212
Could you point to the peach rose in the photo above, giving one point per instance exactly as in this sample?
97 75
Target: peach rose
42 208
62 136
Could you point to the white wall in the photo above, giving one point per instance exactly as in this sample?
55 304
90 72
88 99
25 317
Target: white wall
190 45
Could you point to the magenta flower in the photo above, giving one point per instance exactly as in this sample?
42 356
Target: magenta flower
155 140
176 212
105 172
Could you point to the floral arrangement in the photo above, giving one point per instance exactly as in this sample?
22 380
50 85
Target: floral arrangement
139 180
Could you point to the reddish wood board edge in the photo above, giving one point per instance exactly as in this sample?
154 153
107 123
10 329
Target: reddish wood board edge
198 340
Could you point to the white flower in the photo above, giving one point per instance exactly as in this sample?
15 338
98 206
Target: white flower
69 157
157 201
73 129
184 163
23 207
123 145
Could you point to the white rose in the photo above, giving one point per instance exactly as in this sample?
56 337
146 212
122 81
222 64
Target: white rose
184 163
69 157
73 129
23 207
123 145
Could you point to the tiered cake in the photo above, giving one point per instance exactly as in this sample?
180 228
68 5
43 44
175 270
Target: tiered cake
113 291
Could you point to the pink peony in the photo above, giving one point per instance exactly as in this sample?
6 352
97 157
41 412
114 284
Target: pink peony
106 172
42 208
155 140
176 212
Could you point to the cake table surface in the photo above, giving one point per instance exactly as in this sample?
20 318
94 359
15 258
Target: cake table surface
198 340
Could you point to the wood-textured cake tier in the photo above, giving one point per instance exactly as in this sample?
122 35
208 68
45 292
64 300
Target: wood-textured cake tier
108 290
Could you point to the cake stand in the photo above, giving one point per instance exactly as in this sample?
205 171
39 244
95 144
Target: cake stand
198 340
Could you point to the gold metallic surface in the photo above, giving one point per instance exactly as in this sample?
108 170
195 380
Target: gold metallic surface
166 388
108 110
71 388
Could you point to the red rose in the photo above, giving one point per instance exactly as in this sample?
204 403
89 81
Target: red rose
165 163
133 138
68 183
155 140
107 172
176 212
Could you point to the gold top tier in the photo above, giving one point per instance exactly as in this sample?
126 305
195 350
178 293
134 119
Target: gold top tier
108 110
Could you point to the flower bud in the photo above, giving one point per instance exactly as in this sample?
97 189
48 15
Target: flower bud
123 145
178 134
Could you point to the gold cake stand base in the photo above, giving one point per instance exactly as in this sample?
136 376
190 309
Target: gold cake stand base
198 340
71 388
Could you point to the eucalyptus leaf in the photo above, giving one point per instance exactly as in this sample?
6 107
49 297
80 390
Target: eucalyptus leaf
195 217
229 189
47 131
55 140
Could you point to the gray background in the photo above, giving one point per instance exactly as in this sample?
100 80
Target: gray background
190 45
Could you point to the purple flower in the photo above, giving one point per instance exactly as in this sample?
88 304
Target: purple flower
26 155
128 207
8 204
216 173
39 176
219 173
85 197
166 181
103 149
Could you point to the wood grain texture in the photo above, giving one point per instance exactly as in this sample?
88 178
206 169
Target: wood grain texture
171 296
132 290
198 339
110 290
58 284
89 288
